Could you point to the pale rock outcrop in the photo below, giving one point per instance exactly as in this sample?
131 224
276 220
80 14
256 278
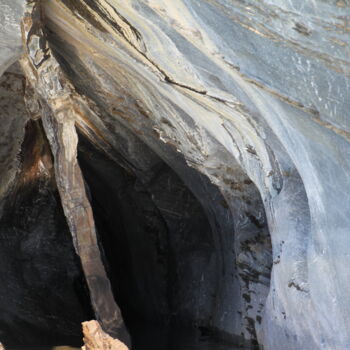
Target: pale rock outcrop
96 339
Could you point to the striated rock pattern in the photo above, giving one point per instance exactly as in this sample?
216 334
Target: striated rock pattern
55 98
213 138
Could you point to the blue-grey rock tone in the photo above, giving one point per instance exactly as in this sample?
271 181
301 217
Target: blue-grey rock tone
213 139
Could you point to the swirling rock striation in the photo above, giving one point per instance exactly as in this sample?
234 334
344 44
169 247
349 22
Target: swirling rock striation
230 113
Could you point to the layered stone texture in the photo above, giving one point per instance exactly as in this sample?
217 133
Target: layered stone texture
11 14
222 126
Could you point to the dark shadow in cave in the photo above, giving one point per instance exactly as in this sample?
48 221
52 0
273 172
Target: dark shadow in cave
157 242
162 258
43 296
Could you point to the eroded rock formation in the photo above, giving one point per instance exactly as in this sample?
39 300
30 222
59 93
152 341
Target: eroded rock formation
198 154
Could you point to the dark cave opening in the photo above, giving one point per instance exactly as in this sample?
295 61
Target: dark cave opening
175 274
158 245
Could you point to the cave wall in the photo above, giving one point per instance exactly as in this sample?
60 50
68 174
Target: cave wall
251 95
43 296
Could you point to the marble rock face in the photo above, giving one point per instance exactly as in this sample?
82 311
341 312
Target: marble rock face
210 140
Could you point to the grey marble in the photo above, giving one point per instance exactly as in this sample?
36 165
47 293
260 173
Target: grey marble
255 97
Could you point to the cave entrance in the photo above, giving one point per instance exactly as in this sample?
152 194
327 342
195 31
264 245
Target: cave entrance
174 272
180 275
157 242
